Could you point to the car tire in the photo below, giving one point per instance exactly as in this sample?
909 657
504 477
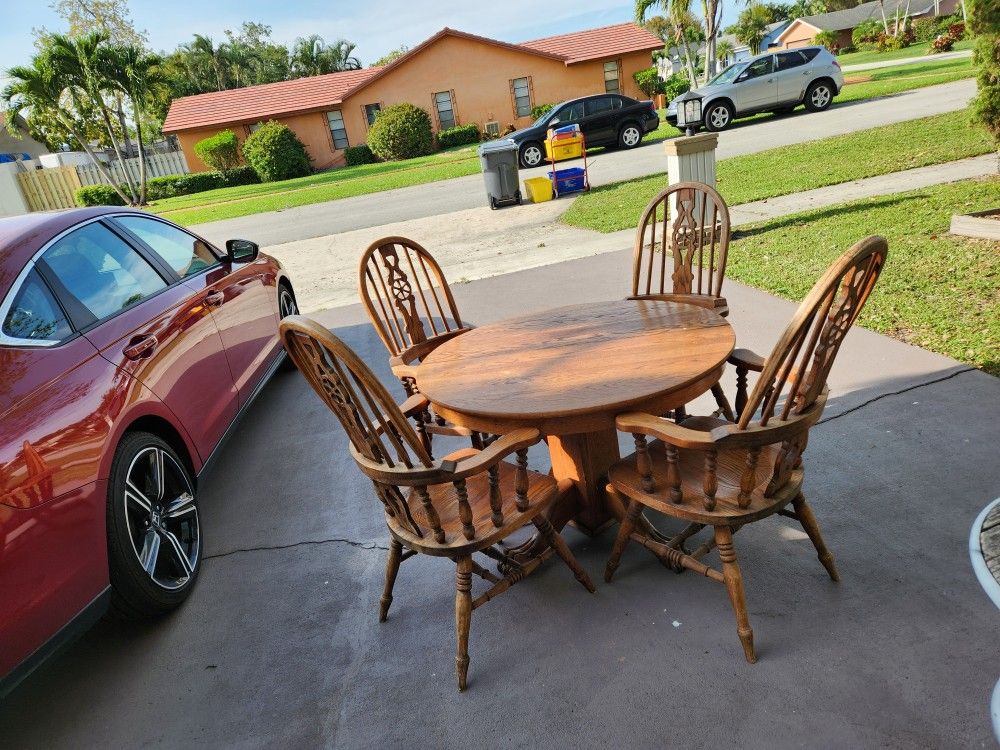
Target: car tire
718 116
287 305
629 136
532 154
819 96
154 533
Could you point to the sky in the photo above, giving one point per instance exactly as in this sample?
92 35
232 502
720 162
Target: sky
376 26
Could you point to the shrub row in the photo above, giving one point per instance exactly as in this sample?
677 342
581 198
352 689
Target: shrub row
460 135
158 188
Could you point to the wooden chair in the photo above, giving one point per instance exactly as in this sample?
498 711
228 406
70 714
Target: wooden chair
716 473
690 220
410 304
453 507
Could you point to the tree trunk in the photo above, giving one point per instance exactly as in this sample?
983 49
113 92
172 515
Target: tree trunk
142 152
118 152
885 22
120 112
97 162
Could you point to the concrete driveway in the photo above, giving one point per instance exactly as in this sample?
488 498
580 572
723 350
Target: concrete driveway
446 196
279 645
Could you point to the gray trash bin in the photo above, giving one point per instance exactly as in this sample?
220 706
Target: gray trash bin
498 160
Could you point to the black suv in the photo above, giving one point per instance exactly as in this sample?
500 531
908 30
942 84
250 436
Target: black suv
605 119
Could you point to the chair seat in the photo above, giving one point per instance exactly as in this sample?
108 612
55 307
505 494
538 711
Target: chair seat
731 463
542 489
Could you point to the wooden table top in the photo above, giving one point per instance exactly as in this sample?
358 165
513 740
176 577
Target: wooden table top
596 359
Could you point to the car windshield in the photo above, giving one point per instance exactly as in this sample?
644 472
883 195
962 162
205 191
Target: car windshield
728 75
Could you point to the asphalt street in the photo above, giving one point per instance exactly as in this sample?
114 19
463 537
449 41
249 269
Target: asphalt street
446 196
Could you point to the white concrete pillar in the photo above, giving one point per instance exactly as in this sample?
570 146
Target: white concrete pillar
691 158
12 200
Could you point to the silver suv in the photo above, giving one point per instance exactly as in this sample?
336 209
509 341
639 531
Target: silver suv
773 82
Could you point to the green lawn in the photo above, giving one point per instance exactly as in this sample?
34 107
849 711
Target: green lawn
937 291
226 203
885 81
918 49
790 169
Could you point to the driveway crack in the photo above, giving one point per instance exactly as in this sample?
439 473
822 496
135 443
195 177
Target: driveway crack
881 396
308 542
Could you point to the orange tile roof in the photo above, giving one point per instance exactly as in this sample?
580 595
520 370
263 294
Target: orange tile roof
255 103
591 44
318 93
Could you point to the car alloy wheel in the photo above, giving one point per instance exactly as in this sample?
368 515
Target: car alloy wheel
162 518
630 136
531 155
718 117
286 302
819 97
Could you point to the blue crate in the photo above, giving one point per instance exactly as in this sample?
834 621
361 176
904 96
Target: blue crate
570 180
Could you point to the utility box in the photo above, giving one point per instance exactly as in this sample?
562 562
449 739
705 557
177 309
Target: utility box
498 160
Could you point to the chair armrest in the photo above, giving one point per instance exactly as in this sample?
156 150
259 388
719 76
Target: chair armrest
401 368
669 432
492 454
413 405
748 359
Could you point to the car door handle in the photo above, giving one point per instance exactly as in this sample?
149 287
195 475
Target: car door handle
214 299
770 80
805 72
140 347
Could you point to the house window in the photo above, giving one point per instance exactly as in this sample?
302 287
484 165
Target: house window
371 112
611 77
522 97
492 129
337 129
446 113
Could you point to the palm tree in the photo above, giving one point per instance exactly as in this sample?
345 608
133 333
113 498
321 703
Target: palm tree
678 12
37 87
311 56
205 57
724 50
751 26
83 65
136 75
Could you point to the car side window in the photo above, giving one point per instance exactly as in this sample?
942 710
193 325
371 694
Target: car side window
569 113
600 104
810 54
183 252
35 314
101 271
788 60
758 68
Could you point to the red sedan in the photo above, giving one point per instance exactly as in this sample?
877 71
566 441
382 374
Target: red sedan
129 347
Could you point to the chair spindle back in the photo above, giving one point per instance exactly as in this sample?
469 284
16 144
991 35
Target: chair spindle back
377 429
405 293
691 221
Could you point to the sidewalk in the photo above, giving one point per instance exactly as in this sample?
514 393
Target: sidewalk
478 243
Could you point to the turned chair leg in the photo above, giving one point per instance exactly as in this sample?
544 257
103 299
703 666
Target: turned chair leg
723 403
463 617
624 537
808 521
734 584
550 535
391 569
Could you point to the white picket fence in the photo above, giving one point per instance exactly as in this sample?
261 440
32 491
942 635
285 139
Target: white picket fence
157 165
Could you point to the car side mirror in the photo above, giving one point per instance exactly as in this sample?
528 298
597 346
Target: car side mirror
241 251
742 77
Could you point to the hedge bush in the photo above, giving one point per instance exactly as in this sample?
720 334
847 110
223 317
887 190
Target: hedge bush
648 81
98 195
676 85
276 153
221 151
401 131
355 155
460 135
985 24
867 33
541 109
924 29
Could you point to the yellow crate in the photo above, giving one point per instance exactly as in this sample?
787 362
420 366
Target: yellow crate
539 189
568 148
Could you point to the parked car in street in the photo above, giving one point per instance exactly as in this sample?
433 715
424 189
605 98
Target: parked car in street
129 348
773 82
605 119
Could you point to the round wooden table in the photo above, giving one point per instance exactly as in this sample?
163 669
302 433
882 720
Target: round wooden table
568 372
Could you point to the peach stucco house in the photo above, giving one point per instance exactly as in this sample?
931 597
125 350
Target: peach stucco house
802 31
458 78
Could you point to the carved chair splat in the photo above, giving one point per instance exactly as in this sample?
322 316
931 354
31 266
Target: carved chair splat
453 507
726 474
